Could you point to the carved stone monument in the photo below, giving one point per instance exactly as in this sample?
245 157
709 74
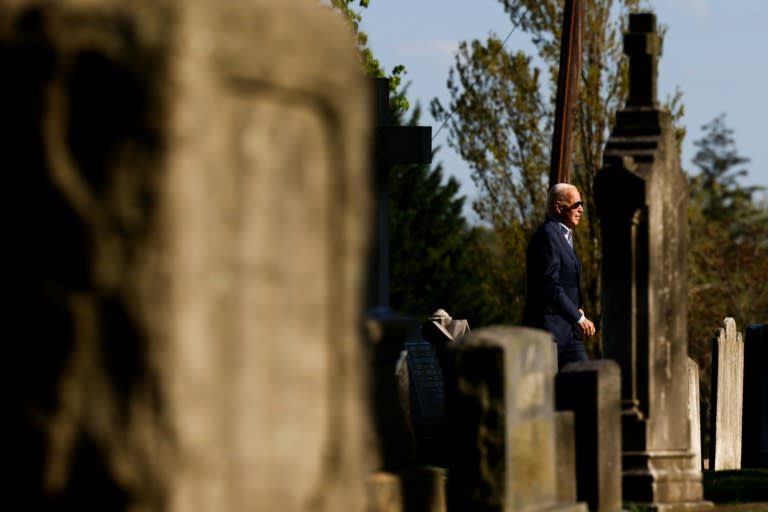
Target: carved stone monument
641 195
192 188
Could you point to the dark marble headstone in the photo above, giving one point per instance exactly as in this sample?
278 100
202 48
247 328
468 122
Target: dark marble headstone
426 389
754 451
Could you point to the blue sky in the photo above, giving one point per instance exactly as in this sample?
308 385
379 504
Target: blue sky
714 51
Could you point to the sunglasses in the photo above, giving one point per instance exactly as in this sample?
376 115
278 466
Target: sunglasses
574 206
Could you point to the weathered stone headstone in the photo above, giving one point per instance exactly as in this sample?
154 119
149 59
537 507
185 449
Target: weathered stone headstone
641 195
502 422
727 398
188 276
694 413
754 452
565 456
418 489
591 389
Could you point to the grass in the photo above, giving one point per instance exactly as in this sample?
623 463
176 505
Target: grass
728 489
720 487
634 507
741 486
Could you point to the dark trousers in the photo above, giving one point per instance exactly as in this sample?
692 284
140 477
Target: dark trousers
570 353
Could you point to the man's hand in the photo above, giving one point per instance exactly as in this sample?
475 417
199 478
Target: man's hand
586 325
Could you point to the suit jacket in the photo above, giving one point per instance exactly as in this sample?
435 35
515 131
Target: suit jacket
554 293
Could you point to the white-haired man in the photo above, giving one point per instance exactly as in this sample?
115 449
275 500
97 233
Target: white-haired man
554 299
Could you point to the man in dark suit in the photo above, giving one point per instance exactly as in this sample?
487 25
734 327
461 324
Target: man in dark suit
554 301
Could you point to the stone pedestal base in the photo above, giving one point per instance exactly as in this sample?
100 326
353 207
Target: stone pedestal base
663 481
566 507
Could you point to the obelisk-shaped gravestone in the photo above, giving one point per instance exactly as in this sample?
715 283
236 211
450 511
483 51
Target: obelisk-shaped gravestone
190 181
641 195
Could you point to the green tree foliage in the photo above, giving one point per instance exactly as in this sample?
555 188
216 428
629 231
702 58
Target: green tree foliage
371 65
435 257
728 248
500 120
728 234
426 237
716 189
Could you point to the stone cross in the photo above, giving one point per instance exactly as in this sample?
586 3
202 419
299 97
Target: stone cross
394 145
641 196
643 46
387 331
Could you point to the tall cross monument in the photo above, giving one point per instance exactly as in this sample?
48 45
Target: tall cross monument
642 198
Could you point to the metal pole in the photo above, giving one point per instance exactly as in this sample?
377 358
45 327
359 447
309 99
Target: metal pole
567 92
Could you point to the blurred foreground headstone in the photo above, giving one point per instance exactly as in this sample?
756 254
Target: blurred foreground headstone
188 183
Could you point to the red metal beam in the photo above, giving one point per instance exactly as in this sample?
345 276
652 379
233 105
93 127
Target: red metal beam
567 92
